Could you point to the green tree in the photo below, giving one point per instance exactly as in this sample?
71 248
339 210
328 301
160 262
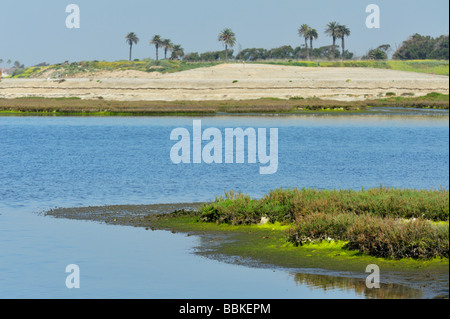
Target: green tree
157 42
303 31
419 47
166 45
228 38
192 57
131 39
177 52
312 35
284 52
332 30
380 53
254 54
342 32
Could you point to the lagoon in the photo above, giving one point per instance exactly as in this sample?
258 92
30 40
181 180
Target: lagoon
48 162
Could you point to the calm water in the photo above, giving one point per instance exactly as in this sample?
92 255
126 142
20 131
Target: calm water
50 162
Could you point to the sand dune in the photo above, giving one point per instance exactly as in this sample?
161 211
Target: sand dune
233 82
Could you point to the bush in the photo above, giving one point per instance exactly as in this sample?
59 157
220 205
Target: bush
396 239
375 236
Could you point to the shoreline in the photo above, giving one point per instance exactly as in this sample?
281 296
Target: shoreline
262 246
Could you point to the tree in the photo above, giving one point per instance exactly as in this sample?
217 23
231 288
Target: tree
17 65
131 39
312 35
192 57
303 31
343 32
332 30
380 53
167 45
177 52
157 42
228 38
419 47
284 52
254 54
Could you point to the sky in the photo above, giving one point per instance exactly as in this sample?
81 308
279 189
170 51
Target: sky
35 31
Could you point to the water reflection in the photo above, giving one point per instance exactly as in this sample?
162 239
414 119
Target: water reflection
357 286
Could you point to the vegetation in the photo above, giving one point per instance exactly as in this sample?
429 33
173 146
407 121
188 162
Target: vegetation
382 222
333 30
342 32
380 53
99 106
131 39
228 38
167 45
419 47
157 42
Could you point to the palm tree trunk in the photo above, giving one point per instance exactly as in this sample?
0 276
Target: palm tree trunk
334 47
343 47
226 52
131 47
311 47
157 49
306 46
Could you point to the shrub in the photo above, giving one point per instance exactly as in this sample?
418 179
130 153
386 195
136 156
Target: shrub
373 235
396 239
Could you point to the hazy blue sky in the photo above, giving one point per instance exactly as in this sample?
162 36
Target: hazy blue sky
34 31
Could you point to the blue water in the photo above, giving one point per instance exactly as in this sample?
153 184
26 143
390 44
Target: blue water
50 162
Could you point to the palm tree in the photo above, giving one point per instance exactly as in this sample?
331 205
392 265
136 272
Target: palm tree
312 35
131 39
333 31
303 32
167 45
177 52
228 38
343 32
157 42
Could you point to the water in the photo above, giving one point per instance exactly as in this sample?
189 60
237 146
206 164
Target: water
48 162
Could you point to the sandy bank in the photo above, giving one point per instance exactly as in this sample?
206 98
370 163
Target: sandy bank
233 82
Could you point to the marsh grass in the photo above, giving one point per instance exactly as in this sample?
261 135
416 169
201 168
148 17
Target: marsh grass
287 205
76 105
381 222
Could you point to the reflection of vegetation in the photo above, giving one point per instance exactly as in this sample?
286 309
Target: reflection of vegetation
386 291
